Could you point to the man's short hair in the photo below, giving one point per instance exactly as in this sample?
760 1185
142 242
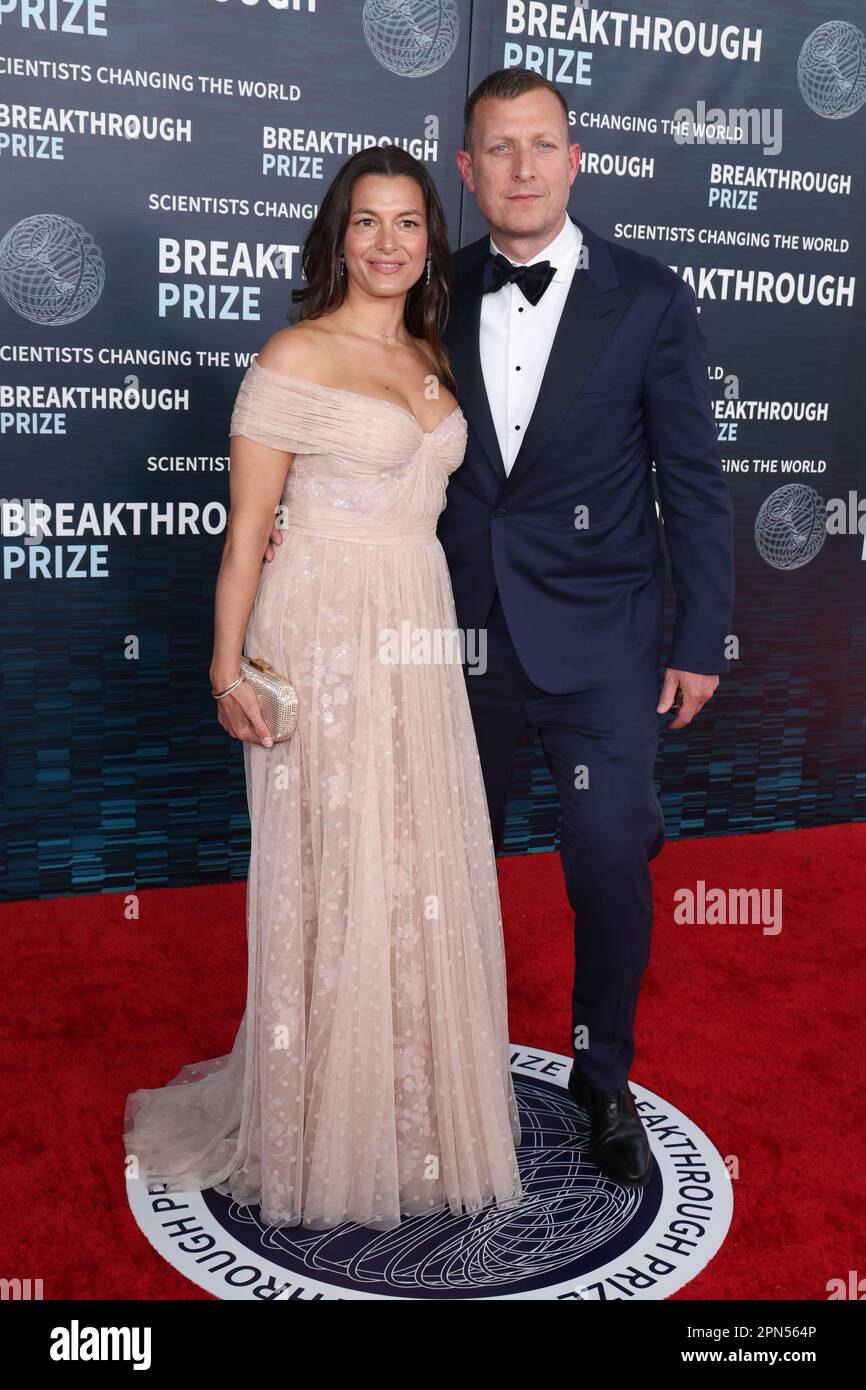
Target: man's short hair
505 84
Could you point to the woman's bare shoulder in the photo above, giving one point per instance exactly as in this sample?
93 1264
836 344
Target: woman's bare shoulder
295 350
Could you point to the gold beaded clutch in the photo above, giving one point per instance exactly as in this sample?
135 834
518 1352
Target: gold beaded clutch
277 697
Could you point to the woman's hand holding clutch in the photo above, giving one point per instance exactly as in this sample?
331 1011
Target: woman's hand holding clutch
240 714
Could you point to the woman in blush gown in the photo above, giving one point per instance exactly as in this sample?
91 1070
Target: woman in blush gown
369 1079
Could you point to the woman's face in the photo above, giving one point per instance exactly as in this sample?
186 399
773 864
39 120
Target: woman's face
386 236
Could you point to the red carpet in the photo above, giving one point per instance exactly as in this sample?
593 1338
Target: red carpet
758 1038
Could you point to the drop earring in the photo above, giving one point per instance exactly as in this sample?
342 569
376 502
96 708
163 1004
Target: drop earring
429 263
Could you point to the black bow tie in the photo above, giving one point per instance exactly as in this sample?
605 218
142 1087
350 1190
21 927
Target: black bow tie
532 279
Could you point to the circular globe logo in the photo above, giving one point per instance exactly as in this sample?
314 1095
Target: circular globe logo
51 270
411 37
831 69
791 526
576 1234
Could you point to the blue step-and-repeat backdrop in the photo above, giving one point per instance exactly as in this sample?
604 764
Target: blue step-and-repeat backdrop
160 166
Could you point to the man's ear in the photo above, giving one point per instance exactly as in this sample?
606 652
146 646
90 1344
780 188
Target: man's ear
464 164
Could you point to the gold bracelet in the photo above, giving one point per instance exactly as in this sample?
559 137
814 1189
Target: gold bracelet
228 690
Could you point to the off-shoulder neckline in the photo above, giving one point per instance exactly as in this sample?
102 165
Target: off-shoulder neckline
359 395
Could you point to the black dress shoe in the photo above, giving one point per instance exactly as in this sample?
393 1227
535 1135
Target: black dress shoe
617 1139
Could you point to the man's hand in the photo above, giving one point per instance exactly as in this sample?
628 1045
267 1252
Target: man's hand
276 539
696 690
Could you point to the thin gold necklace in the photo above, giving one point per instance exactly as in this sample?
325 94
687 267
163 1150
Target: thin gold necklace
386 337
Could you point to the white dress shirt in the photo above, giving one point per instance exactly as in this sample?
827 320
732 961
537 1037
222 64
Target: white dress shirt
515 339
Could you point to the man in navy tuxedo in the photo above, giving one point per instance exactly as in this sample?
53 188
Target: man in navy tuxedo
579 363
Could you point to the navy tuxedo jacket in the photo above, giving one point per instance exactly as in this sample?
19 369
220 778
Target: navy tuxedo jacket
625 386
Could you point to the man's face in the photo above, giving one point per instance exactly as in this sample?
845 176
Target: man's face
521 165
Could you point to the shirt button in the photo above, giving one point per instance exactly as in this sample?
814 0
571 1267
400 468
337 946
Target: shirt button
499 513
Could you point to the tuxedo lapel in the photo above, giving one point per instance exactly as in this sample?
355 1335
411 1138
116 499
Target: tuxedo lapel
461 339
595 302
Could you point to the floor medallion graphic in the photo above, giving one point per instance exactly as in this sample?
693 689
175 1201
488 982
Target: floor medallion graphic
576 1235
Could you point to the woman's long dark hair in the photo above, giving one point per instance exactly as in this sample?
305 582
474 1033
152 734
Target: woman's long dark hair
426 310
